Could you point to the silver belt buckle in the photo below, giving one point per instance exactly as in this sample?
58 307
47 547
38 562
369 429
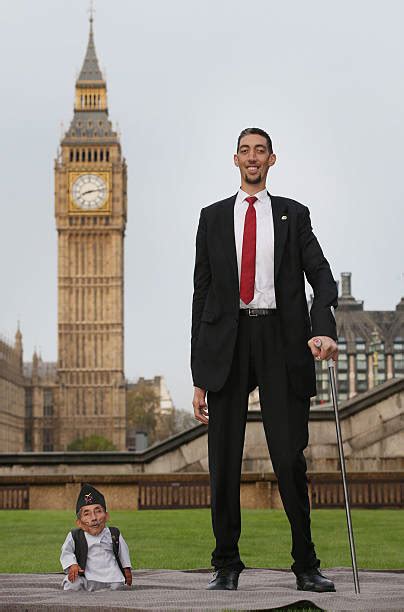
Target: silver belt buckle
251 313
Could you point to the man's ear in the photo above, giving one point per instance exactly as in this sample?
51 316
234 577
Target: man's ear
235 158
107 516
272 159
78 522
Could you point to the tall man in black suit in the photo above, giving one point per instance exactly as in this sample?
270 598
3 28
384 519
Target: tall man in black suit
251 327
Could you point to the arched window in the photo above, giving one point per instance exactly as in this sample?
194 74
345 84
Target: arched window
71 155
107 155
83 155
95 155
101 155
77 155
89 155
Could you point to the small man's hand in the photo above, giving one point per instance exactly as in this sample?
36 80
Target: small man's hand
200 405
323 347
128 575
73 572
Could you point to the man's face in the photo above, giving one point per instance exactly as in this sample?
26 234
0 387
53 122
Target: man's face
254 159
92 519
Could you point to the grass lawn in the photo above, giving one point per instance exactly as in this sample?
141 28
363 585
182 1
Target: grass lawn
30 540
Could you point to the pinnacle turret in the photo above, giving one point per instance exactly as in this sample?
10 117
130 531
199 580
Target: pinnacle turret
18 344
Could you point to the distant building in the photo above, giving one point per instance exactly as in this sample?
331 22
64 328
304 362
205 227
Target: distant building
41 422
371 347
12 396
159 386
158 400
28 404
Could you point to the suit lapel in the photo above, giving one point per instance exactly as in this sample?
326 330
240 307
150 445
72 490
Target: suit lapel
279 210
229 243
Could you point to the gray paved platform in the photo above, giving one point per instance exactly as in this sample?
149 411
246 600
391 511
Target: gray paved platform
259 589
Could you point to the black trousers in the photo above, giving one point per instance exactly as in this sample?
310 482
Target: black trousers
258 360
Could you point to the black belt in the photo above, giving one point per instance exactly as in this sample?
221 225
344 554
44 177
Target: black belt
257 312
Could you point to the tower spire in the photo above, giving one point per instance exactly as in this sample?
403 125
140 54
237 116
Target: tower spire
91 11
90 70
90 105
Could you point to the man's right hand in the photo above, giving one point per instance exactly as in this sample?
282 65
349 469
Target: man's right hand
73 572
128 575
200 405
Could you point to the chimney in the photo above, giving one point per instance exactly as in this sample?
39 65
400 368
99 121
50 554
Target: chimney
346 285
346 301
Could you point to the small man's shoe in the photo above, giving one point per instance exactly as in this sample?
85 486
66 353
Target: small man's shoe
313 580
224 580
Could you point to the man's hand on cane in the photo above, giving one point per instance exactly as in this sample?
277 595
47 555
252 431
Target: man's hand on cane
323 347
200 405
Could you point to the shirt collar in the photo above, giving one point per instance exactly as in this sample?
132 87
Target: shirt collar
262 196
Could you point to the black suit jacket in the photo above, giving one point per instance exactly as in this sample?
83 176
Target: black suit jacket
216 299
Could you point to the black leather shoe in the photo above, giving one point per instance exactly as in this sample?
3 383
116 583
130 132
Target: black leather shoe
313 580
224 580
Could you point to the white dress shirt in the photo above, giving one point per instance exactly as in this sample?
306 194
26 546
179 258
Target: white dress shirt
101 564
264 290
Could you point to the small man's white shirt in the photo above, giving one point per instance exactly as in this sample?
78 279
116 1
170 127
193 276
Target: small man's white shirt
264 289
101 564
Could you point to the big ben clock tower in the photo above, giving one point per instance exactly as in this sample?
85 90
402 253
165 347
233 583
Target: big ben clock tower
90 211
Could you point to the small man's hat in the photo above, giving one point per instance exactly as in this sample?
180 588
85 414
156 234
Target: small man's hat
88 496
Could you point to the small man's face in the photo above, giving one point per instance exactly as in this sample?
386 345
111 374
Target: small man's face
254 159
92 519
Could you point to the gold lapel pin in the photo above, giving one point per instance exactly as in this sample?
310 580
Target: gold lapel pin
284 217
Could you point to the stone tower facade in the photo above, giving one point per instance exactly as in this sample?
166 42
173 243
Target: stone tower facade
90 211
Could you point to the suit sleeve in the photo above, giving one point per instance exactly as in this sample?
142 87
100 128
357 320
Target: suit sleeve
318 274
202 280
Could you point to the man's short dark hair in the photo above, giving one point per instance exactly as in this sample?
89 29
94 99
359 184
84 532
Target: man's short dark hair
254 130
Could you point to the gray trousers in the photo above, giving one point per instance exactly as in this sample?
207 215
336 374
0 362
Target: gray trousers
82 584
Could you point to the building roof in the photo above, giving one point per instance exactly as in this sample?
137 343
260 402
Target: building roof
45 370
90 70
359 326
355 324
91 124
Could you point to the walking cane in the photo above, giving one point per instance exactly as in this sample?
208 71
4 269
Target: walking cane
331 372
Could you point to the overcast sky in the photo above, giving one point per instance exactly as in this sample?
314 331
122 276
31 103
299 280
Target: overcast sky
325 79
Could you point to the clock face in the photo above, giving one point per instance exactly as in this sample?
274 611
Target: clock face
89 191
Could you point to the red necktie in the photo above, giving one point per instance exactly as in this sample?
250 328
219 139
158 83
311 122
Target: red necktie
247 276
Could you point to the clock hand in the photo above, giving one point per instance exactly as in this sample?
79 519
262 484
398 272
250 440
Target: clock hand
91 191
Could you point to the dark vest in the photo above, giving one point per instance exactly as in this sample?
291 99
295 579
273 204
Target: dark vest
81 547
